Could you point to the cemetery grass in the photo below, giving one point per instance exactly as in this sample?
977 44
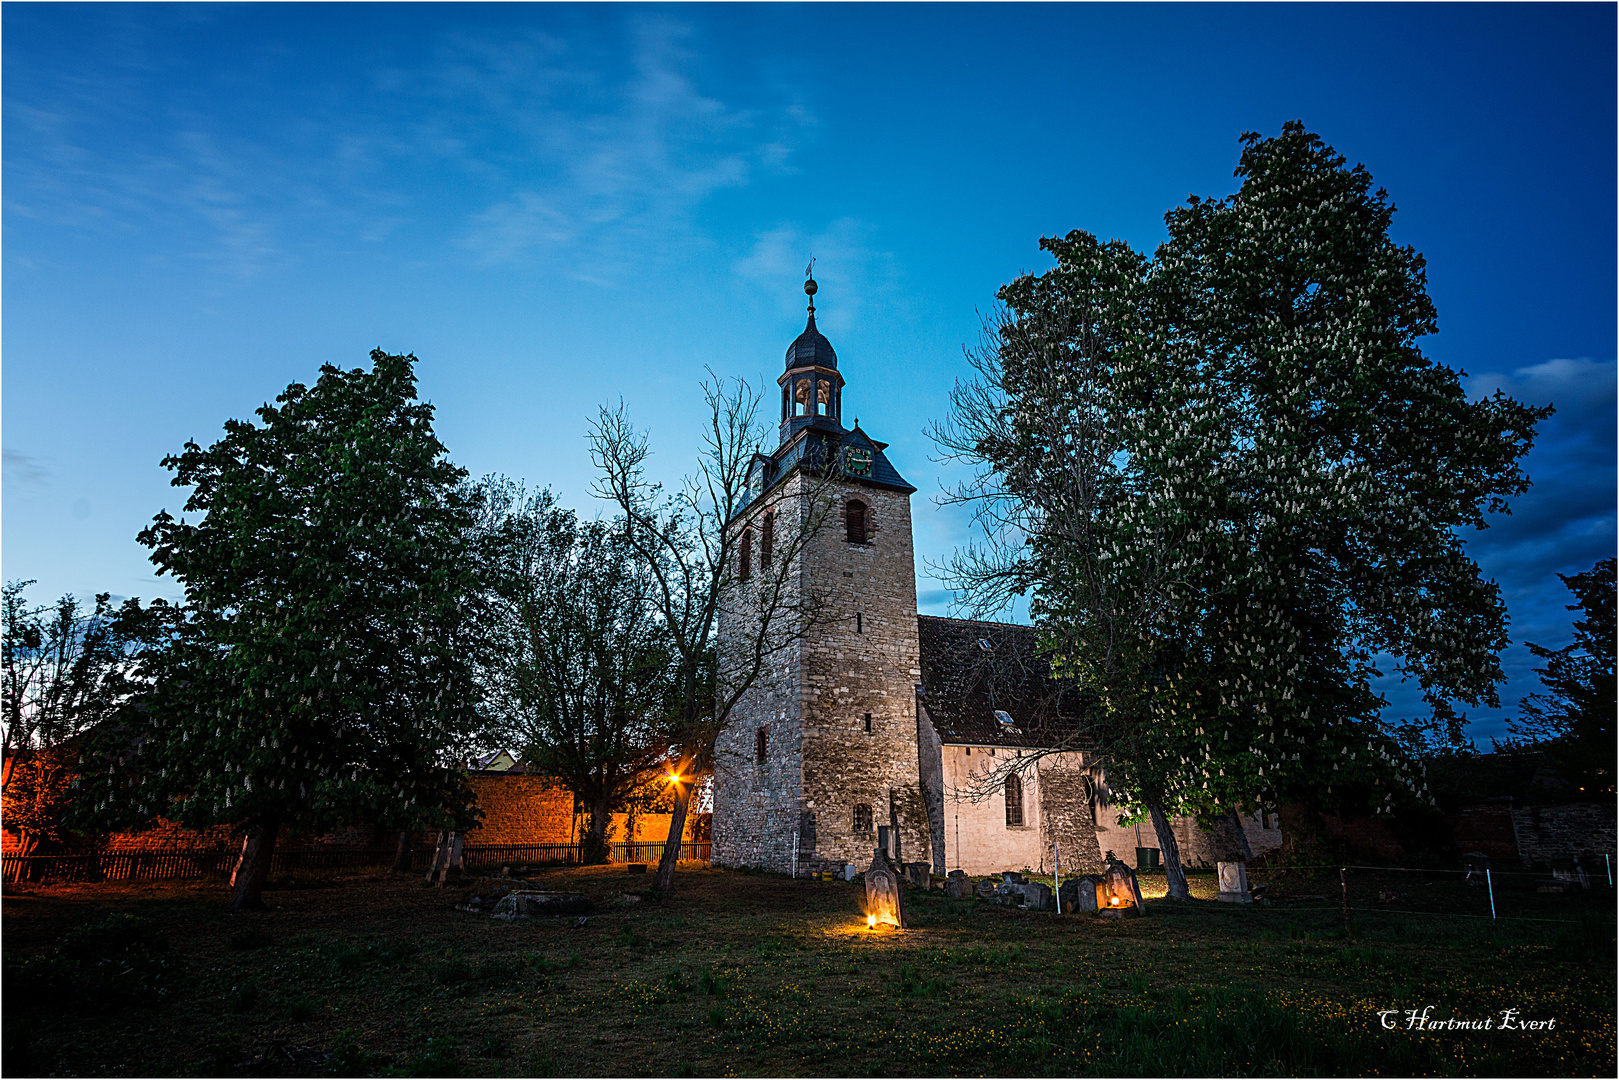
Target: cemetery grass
756 974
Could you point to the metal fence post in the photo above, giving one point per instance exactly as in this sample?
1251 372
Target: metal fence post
1491 886
1343 880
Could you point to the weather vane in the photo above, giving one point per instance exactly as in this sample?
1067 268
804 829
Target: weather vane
809 284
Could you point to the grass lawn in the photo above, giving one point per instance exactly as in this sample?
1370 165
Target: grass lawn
755 974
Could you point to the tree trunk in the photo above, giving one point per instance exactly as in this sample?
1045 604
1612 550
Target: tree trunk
594 850
402 853
1173 874
677 832
1233 838
254 865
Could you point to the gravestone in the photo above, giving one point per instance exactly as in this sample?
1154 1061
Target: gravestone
850 871
1037 895
1234 883
1119 881
958 888
986 890
884 897
1078 895
1011 877
919 874
957 874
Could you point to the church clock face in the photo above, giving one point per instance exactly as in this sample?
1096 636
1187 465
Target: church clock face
859 461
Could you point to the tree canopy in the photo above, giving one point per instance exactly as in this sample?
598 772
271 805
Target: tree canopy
579 672
1228 480
1572 719
319 669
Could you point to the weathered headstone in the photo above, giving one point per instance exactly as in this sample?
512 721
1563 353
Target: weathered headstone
986 890
919 874
957 874
1011 877
1119 894
1078 895
539 905
1234 883
885 900
1037 894
850 871
958 888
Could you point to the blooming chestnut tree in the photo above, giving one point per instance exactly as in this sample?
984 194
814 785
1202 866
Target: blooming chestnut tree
1228 481
319 669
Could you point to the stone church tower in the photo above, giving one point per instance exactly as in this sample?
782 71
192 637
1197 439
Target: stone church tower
824 750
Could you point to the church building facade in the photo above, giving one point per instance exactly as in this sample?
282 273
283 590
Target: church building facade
877 716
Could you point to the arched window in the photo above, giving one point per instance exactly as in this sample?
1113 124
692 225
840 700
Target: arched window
823 396
767 540
759 746
801 397
744 568
854 519
1014 801
786 401
862 819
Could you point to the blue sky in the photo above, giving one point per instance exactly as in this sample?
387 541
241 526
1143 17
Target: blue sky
556 207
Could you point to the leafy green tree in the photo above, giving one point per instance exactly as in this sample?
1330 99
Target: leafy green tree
1227 479
320 669
1572 721
579 673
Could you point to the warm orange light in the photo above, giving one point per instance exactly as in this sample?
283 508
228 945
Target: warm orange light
1114 900
871 922
674 778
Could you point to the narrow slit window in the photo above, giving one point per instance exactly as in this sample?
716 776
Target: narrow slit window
744 568
868 723
859 623
767 540
759 746
855 521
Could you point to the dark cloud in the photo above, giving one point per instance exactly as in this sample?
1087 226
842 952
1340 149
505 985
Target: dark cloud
1562 525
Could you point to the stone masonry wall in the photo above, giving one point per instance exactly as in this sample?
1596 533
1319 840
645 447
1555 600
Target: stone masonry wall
1552 835
757 803
866 660
1068 814
521 809
820 761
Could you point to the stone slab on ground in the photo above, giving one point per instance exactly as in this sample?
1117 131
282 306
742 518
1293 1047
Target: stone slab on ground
540 905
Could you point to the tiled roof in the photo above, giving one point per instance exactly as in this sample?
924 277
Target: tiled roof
821 440
971 671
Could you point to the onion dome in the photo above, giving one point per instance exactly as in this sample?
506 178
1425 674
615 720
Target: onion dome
811 349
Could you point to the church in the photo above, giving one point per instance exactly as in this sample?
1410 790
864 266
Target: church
880 716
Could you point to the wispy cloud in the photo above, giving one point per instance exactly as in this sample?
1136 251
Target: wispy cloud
595 148
848 264
23 470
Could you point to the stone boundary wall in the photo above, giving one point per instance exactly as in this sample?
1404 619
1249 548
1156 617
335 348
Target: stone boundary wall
1548 835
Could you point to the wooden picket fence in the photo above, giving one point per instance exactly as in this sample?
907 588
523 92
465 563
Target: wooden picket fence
177 863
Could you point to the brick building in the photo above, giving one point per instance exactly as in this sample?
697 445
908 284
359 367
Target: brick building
877 715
